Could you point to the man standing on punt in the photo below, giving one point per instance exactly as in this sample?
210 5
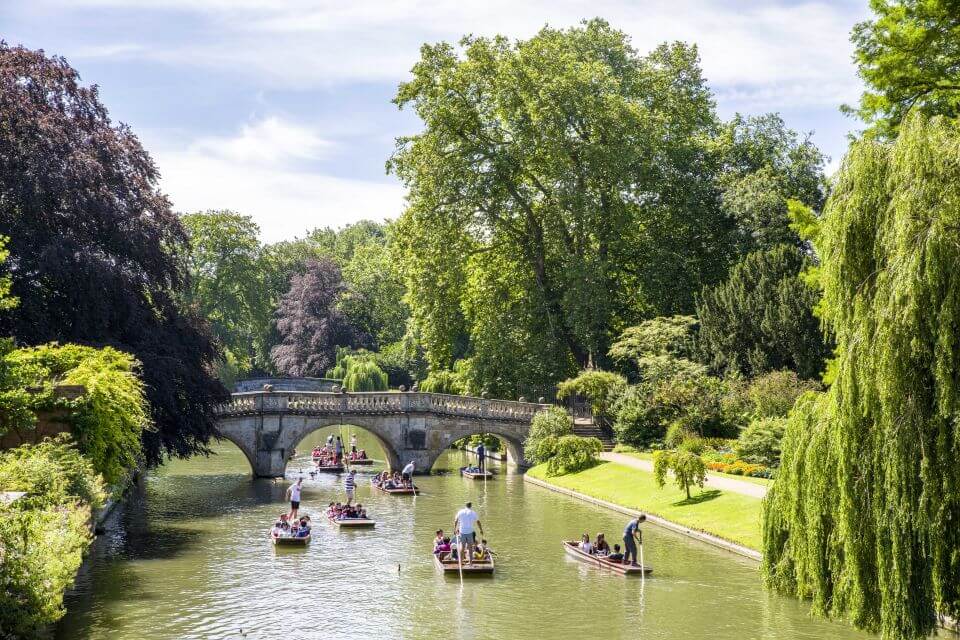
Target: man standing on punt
631 536
463 526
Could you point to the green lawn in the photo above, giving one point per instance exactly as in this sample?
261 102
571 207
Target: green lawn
731 516
646 455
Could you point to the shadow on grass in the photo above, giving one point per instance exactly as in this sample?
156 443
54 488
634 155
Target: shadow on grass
703 496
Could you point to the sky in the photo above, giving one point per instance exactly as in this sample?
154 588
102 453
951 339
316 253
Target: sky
281 109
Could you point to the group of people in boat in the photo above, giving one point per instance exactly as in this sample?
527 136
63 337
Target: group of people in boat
331 454
464 543
601 548
402 480
339 511
285 527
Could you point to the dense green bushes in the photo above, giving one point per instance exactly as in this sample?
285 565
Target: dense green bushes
44 535
546 428
358 371
571 454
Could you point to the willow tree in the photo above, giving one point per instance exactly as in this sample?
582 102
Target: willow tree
864 517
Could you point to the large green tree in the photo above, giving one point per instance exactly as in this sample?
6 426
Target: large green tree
579 167
862 517
761 317
909 57
227 284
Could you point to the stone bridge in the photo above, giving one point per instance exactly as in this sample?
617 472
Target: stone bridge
268 425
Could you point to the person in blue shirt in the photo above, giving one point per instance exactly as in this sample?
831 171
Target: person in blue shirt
304 529
631 536
481 454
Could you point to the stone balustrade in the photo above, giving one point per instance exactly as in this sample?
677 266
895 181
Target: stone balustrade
376 403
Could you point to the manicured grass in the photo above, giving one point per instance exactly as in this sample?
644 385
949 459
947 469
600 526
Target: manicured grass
646 455
728 515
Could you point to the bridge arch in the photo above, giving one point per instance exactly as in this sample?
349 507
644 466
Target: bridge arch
242 443
296 436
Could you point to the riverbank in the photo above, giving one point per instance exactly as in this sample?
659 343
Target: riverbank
724 515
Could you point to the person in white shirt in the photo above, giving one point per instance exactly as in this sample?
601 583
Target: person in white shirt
463 525
407 474
293 493
585 544
353 444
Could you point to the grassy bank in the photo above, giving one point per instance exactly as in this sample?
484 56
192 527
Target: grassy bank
731 516
646 455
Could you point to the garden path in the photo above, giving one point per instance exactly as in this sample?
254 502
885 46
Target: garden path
714 481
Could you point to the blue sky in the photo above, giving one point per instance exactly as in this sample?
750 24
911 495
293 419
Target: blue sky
280 109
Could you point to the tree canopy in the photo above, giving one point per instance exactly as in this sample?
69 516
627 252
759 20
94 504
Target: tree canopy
95 250
907 56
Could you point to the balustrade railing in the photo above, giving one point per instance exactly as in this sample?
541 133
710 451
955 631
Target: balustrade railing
325 403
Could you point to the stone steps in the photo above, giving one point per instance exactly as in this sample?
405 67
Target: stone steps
587 429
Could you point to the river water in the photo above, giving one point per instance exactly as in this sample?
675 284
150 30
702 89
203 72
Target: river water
188 557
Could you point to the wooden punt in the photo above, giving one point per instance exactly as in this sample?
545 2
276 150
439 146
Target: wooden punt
291 542
452 567
402 491
333 468
361 462
353 522
599 561
475 475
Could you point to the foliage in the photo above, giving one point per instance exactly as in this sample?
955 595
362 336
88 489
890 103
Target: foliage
772 395
601 388
442 382
96 253
693 404
907 56
402 361
373 300
876 539
546 428
108 419
761 318
44 535
659 347
364 375
767 163
572 454
760 442
311 326
227 284
686 466
556 215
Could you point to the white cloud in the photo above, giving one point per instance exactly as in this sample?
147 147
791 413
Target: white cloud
299 43
259 172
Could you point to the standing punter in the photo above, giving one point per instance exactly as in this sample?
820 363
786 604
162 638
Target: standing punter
631 536
407 474
481 454
293 494
463 526
350 484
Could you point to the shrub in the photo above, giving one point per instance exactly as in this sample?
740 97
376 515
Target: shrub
551 423
44 535
687 467
675 435
773 395
759 443
601 388
637 421
572 454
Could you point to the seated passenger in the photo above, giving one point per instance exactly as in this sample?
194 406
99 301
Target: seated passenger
363 454
438 539
585 544
601 547
482 551
443 547
616 556
304 529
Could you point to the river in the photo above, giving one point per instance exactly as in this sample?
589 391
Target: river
188 557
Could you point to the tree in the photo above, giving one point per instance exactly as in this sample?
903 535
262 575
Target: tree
310 325
761 318
907 57
96 254
374 297
546 428
862 517
765 164
659 347
580 169
687 468
226 283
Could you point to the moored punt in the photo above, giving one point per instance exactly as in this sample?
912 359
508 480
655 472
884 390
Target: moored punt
291 542
475 475
574 550
361 462
333 468
478 568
